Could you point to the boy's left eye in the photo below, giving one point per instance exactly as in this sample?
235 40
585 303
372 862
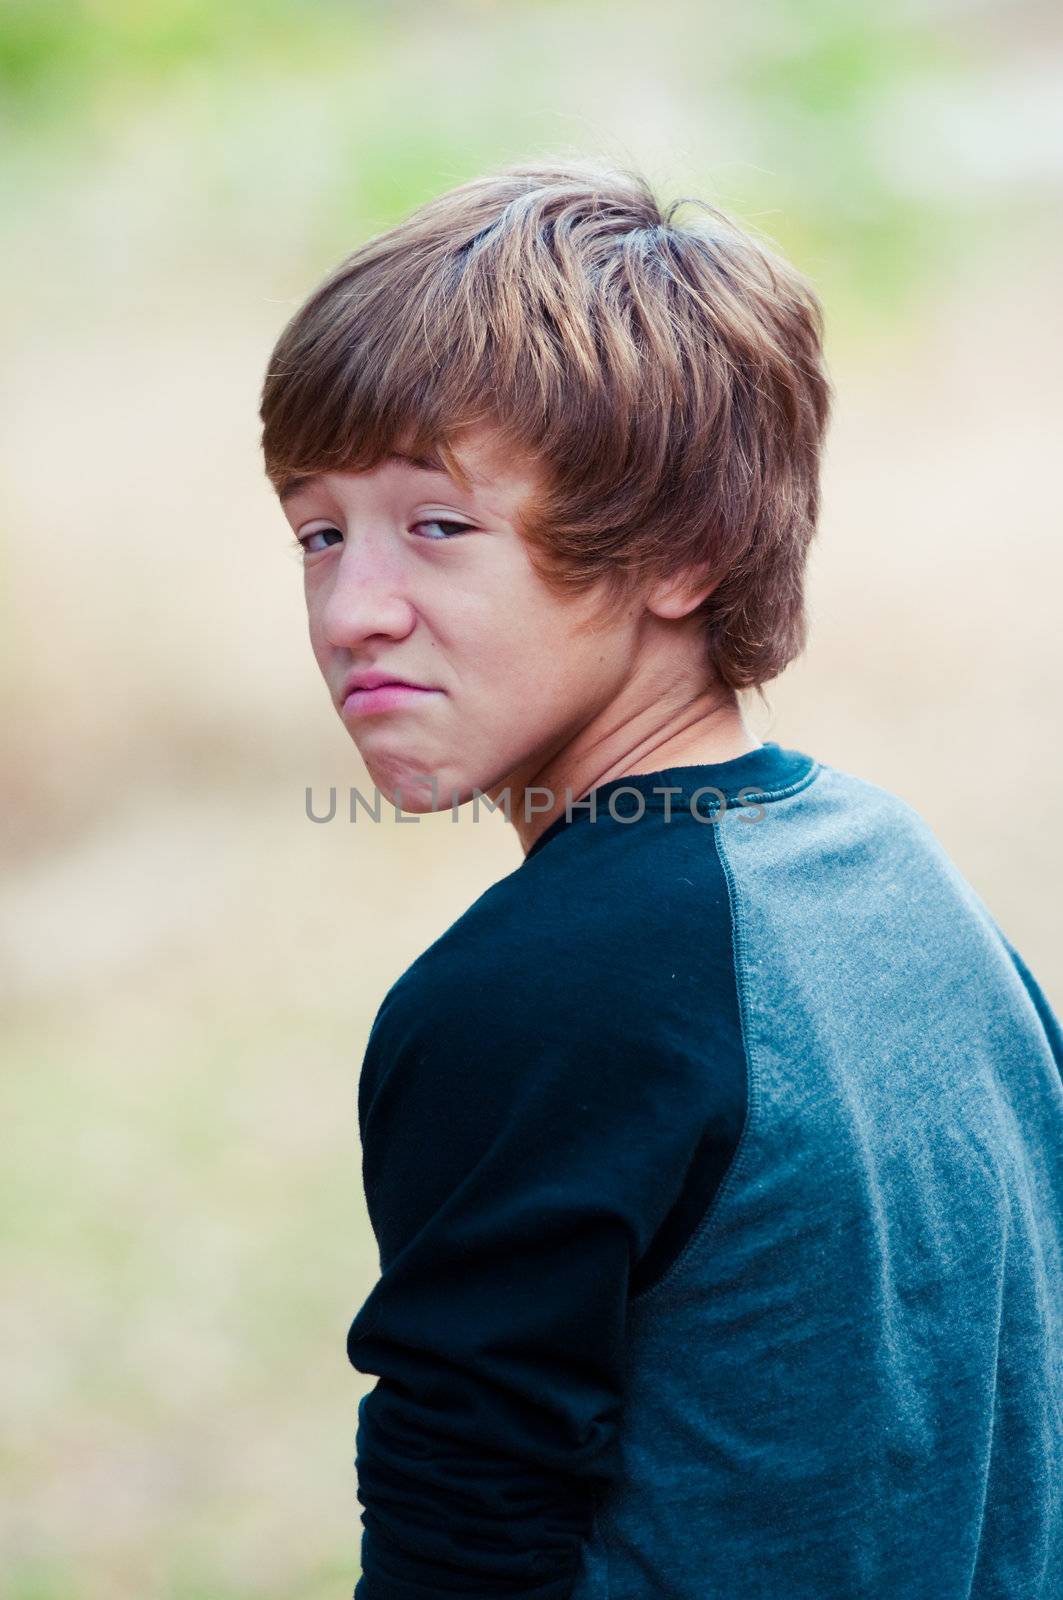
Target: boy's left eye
442 522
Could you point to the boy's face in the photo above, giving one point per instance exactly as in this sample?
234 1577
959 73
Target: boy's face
509 672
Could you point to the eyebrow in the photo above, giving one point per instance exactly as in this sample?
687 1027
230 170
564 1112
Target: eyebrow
429 463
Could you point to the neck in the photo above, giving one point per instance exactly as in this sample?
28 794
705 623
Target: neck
705 727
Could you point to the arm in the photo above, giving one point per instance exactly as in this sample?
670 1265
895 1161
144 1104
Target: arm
1047 1017
521 1148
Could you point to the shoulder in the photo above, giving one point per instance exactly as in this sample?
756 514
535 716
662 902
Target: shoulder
611 935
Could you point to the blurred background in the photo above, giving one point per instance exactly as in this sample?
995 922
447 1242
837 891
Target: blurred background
188 966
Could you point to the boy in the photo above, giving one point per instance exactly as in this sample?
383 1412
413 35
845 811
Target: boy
713 1155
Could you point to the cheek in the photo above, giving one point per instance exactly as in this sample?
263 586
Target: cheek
529 653
544 668
317 640
313 600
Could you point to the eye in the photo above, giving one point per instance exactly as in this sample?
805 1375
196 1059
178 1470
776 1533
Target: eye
302 546
442 522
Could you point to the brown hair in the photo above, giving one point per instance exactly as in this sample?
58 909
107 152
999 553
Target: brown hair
666 380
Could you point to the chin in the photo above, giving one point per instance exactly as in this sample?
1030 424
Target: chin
408 784
454 785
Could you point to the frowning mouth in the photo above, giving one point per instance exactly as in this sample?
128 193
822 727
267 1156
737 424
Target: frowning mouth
375 678
375 692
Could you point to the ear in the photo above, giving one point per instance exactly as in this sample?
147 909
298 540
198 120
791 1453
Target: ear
678 595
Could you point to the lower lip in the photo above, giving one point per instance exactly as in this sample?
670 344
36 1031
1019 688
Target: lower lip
389 697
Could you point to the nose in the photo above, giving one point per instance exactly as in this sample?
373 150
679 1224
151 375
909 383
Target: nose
368 596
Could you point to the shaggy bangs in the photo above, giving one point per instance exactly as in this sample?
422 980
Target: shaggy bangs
665 381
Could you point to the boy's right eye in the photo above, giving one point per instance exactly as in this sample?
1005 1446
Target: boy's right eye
318 533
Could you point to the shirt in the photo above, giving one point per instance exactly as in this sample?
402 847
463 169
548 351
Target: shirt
715 1162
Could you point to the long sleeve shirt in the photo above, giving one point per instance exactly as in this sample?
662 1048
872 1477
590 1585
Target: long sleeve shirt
693 1010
